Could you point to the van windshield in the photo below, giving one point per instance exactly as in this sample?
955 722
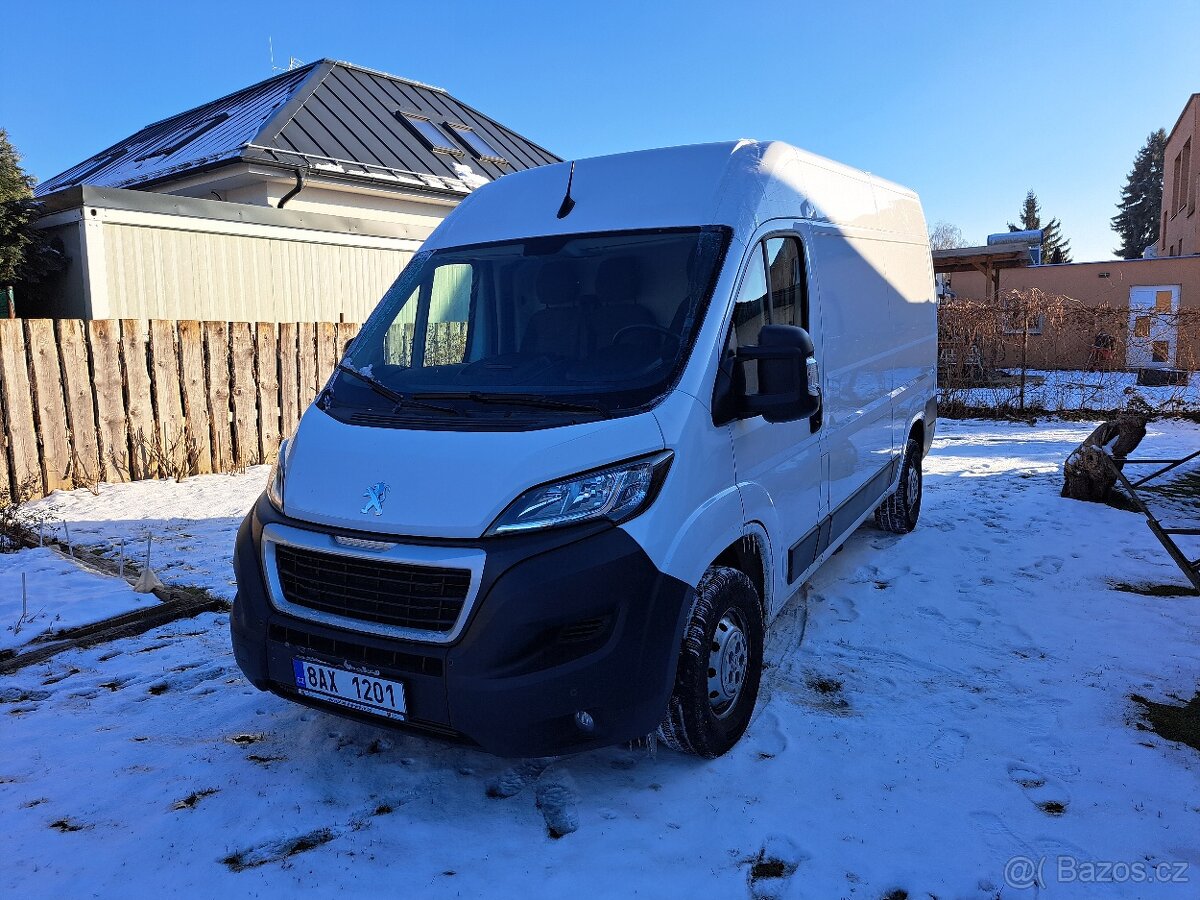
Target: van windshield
552 325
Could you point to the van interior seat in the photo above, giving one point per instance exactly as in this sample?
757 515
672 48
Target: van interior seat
558 328
614 306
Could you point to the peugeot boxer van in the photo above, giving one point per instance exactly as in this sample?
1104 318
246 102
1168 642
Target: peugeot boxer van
603 426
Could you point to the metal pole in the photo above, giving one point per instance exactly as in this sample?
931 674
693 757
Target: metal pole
1163 535
1024 348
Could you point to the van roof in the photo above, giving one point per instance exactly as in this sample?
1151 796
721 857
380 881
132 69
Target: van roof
736 183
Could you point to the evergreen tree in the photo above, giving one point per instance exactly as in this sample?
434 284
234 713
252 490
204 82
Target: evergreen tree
26 255
1055 248
1140 210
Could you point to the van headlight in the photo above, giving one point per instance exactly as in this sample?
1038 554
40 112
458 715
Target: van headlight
275 481
615 493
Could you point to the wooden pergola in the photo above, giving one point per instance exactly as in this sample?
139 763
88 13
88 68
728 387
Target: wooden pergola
990 261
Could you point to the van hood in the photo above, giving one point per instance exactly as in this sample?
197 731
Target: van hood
441 484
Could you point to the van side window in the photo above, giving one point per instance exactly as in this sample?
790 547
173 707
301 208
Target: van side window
750 312
789 300
449 312
398 341
445 330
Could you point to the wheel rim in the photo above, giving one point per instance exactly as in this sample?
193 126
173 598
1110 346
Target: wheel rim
728 661
913 488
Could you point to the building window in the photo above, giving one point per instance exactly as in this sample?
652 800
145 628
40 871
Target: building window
1185 170
1162 301
431 136
1141 327
1160 351
1175 192
476 143
1035 323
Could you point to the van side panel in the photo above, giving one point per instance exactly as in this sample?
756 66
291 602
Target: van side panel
855 303
909 269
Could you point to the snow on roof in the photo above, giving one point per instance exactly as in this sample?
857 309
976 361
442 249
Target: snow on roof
299 119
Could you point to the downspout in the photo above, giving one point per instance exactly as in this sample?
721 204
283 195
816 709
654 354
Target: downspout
294 191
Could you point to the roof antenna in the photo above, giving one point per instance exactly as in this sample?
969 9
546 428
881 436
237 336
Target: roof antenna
568 203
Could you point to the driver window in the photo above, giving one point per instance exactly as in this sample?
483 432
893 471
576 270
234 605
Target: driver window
750 312
785 262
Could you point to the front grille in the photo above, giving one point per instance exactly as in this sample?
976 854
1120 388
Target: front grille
426 598
357 653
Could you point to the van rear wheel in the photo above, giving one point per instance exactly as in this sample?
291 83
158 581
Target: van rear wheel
899 512
720 666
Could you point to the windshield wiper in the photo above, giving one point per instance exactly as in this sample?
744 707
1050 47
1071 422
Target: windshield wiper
538 401
396 397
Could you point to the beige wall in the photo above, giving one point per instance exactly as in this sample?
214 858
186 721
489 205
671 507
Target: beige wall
140 256
1180 232
163 273
426 215
1083 281
259 186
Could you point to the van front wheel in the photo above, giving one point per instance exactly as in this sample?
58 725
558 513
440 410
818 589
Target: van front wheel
720 665
899 512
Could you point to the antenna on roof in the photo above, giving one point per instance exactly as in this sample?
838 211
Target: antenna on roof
568 203
293 63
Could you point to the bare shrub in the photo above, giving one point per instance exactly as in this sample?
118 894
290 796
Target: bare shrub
176 458
17 521
1029 352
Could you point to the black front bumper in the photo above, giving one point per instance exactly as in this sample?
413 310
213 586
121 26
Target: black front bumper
567 620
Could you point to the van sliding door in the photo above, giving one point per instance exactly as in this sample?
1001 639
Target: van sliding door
855 302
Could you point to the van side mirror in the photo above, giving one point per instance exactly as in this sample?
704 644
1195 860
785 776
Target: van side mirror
788 386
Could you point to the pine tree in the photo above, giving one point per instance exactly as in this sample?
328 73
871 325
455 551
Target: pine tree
1055 248
25 253
1140 209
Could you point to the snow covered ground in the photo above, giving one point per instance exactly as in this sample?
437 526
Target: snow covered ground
1072 390
959 698
58 593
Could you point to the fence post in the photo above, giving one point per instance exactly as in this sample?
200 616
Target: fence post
1024 348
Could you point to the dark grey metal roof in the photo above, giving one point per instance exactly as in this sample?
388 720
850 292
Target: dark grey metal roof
327 117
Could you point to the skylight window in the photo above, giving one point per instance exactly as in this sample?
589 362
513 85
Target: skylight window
477 143
432 136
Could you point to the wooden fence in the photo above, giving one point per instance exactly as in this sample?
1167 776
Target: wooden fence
118 400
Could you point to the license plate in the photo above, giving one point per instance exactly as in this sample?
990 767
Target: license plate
365 693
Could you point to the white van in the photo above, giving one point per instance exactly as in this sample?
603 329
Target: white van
604 425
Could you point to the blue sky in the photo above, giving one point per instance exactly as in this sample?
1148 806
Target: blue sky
971 104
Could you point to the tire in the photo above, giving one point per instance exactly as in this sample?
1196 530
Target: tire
899 512
709 710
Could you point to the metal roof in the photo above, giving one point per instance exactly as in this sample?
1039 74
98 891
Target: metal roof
328 117
982 259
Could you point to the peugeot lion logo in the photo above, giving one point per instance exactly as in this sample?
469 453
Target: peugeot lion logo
375 495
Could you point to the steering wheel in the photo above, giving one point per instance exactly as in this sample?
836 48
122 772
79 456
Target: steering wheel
647 326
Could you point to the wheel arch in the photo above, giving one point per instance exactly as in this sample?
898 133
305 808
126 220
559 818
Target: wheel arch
751 555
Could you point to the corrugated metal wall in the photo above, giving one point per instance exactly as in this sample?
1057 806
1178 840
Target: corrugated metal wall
162 273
